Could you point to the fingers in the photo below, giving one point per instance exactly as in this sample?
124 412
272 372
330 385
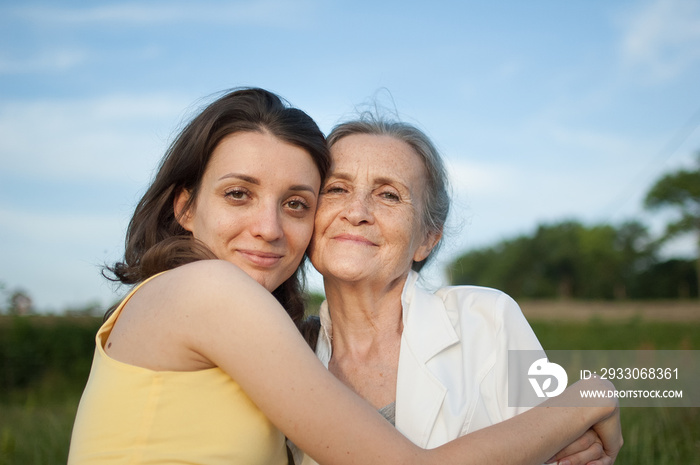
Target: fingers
605 460
592 455
581 444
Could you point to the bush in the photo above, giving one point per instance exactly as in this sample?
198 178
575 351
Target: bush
35 347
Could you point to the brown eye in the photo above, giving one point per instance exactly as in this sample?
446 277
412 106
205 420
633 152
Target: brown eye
236 194
297 205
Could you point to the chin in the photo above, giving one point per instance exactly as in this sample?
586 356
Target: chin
265 282
348 273
270 282
260 278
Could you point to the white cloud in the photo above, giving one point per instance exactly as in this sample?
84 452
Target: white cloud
663 38
469 178
57 60
60 228
596 144
259 12
111 137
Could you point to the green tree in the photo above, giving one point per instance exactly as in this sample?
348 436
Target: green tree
565 260
670 279
680 191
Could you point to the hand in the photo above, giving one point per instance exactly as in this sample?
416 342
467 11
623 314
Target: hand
602 442
587 449
610 433
608 428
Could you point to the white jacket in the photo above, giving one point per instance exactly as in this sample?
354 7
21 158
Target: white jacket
453 363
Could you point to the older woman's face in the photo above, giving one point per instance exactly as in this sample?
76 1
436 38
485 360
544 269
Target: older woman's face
368 223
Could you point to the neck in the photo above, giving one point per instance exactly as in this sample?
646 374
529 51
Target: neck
365 315
367 326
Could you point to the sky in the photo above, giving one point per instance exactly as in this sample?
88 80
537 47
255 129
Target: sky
544 110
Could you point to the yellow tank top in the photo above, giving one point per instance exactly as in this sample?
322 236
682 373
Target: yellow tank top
133 415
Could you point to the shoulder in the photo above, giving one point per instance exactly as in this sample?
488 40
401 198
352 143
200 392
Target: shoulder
164 320
485 312
477 298
199 287
203 271
490 309
203 276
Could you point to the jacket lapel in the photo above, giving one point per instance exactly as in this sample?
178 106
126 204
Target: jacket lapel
427 332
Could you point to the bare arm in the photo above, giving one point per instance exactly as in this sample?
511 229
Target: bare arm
518 335
240 327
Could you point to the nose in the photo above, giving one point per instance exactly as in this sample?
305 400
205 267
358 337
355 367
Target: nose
359 209
266 222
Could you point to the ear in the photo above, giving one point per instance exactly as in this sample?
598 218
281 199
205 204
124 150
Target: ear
429 243
182 213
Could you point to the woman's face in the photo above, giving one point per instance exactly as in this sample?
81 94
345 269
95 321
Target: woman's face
368 223
255 206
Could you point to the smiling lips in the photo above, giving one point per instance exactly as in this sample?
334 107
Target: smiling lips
353 238
262 259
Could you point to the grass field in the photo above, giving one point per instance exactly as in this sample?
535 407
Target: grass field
653 436
35 422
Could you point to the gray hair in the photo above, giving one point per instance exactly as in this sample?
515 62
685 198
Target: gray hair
436 199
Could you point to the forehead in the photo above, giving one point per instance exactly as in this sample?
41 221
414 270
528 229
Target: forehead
377 155
264 154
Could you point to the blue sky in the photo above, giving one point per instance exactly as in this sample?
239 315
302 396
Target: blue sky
544 110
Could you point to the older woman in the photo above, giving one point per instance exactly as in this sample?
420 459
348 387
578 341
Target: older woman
193 366
435 364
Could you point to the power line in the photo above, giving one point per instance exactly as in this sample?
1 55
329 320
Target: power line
671 147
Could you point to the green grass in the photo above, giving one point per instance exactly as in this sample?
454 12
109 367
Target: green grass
653 436
44 363
634 334
32 433
36 422
660 436
36 419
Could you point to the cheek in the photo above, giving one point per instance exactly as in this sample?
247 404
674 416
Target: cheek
226 227
314 246
299 235
326 211
408 231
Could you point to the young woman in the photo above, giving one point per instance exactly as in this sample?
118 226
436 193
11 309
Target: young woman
201 364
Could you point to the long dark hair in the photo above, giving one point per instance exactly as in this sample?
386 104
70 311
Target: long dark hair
155 241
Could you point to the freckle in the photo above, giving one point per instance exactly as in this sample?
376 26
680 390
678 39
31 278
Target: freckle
109 345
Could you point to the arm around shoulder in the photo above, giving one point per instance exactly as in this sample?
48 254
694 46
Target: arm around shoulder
242 329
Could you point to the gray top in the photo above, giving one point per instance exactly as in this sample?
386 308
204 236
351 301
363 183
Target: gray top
389 412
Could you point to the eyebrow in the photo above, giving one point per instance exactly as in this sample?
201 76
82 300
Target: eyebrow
380 180
256 181
390 181
242 177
